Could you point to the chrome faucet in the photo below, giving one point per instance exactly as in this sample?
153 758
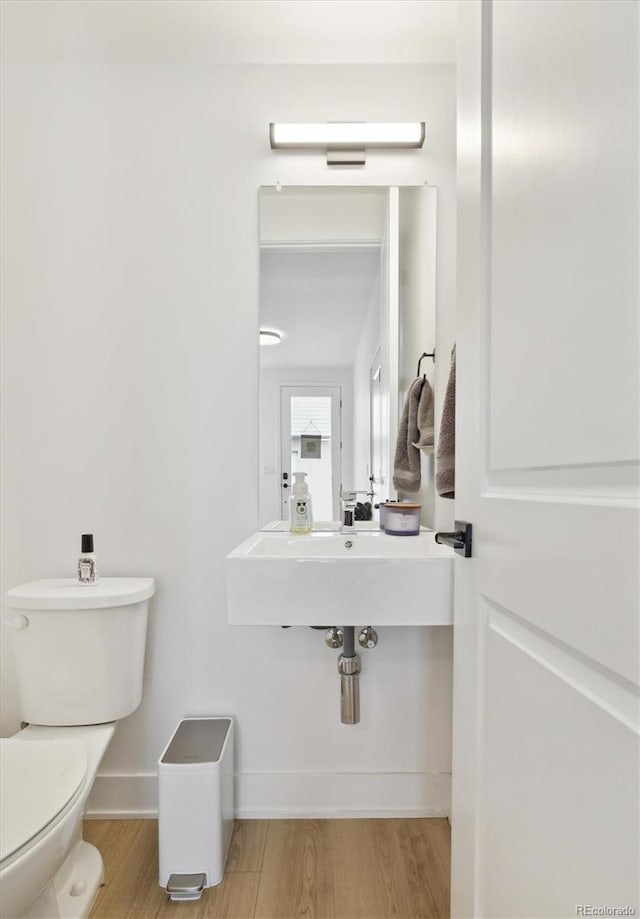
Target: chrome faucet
349 502
348 505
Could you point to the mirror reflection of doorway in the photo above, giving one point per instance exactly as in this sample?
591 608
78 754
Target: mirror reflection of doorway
310 441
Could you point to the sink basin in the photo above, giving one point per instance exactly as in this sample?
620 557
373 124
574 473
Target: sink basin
327 578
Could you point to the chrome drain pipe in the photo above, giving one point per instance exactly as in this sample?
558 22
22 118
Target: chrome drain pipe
349 667
349 670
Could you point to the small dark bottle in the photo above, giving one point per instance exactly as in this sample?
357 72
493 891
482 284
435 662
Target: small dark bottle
88 561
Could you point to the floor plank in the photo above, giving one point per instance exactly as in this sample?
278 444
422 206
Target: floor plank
235 898
130 889
285 869
247 845
297 871
114 838
362 852
423 855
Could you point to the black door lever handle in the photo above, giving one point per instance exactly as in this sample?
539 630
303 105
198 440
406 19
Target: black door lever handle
460 540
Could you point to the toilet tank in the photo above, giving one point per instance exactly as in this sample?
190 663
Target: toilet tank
79 649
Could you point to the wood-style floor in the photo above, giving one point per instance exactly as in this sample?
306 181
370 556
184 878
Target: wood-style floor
284 869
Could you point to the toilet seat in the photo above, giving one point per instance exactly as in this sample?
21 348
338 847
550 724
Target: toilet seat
40 780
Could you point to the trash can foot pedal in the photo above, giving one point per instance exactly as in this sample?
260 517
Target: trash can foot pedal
186 886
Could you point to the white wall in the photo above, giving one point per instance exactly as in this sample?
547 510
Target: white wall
312 215
368 346
130 381
418 230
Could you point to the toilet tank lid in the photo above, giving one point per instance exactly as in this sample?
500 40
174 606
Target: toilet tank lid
38 779
67 593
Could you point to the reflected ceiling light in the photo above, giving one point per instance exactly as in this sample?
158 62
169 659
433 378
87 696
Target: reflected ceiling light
268 337
346 141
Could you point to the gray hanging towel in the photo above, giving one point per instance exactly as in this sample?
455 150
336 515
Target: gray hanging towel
425 420
406 466
446 452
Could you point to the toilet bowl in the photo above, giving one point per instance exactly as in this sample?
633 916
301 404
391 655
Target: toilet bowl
79 656
46 775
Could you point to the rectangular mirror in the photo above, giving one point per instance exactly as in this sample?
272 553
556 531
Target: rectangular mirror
347 291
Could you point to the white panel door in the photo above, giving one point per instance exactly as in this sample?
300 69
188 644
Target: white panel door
313 413
545 809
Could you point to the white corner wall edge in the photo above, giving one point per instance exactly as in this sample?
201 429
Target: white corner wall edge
280 795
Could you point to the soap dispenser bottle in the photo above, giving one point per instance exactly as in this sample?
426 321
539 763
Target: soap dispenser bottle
301 516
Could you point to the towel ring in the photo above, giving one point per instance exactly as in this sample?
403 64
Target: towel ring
422 357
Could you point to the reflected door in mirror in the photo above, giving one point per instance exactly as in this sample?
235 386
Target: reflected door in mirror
310 441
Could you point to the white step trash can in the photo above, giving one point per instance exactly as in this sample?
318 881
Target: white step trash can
195 791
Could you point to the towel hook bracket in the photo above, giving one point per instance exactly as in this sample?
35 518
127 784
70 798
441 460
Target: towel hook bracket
431 354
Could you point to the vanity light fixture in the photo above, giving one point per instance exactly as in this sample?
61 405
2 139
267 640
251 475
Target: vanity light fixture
268 337
345 142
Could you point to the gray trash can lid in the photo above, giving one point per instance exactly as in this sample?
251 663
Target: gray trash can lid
197 740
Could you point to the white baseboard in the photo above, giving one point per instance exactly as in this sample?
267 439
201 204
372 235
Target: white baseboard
271 795
122 796
369 794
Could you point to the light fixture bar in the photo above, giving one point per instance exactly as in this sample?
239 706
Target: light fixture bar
346 135
346 157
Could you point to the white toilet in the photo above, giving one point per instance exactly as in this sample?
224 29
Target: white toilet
79 656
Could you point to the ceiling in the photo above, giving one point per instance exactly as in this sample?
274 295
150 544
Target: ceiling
231 31
318 299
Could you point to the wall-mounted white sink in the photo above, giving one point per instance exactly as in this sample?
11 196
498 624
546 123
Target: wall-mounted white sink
327 578
321 525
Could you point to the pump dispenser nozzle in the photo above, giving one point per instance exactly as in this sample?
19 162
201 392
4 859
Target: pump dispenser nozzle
300 484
